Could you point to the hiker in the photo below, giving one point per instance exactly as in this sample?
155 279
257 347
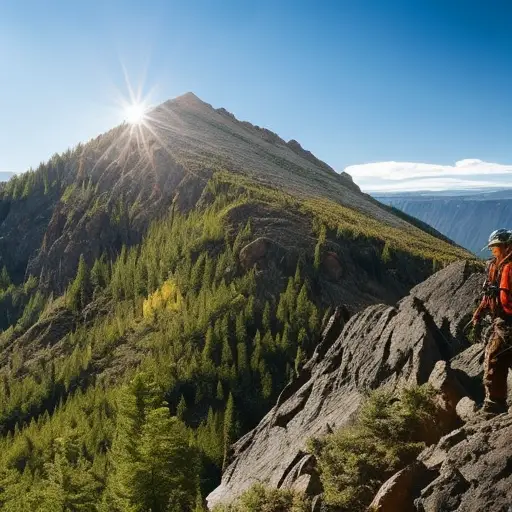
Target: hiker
497 302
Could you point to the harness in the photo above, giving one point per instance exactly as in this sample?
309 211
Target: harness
492 288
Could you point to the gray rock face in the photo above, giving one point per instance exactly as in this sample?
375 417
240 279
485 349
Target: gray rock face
381 346
474 465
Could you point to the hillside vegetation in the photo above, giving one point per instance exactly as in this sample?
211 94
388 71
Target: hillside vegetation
140 333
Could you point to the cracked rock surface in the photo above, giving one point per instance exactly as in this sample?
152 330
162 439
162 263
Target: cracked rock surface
381 346
474 464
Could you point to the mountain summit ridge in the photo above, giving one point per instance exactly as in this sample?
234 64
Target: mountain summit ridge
144 169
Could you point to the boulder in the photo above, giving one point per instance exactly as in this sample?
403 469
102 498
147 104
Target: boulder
255 251
399 492
466 409
474 469
444 380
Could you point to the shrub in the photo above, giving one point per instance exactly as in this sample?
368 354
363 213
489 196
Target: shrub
388 435
262 499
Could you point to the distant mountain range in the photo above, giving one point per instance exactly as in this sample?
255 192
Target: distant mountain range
467 218
6 175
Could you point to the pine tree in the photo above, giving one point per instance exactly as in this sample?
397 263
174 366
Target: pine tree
300 360
5 280
70 484
182 407
134 402
256 352
285 343
240 330
229 428
220 391
166 476
266 320
318 247
227 354
99 275
207 355
297 277
266 381
302 309
80 290
208 272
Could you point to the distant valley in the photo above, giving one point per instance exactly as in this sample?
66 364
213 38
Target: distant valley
467 219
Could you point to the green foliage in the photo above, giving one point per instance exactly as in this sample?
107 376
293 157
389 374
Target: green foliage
79 292
20 305
229 428
414 239
386 253
5 279
153 465
318 247
389 433
32 310
182 323
261 499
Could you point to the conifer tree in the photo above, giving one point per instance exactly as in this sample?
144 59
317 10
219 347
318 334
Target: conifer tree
297 277
220 391
134 402
229 428
266 381
166 476
80 290
242 362
318 247
256 352
240 330
182 407
266 320
5 280
302 309
300 360
227 354
69 484
207 354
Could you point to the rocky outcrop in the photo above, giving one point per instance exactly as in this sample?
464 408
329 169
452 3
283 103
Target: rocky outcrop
257 250
474 468
381 346
398 493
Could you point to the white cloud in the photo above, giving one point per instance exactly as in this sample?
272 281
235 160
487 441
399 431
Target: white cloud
410 176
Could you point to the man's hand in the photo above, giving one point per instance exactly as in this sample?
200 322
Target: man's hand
476 318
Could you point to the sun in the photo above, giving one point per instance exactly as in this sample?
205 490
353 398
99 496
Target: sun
135 113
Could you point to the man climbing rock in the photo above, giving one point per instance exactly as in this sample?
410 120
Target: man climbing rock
497 302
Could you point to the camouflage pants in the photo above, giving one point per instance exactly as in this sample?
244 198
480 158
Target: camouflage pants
497 361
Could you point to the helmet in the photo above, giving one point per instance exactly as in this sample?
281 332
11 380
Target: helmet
500 237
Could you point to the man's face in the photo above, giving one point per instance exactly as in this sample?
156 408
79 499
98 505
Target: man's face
498 251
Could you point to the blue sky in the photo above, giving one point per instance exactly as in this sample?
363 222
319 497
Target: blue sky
356 82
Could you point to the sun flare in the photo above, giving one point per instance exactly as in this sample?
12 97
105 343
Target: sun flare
135 113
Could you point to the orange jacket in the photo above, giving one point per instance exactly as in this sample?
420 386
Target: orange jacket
502 303
506 289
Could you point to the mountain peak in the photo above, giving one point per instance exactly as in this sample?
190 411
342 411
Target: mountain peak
189 99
